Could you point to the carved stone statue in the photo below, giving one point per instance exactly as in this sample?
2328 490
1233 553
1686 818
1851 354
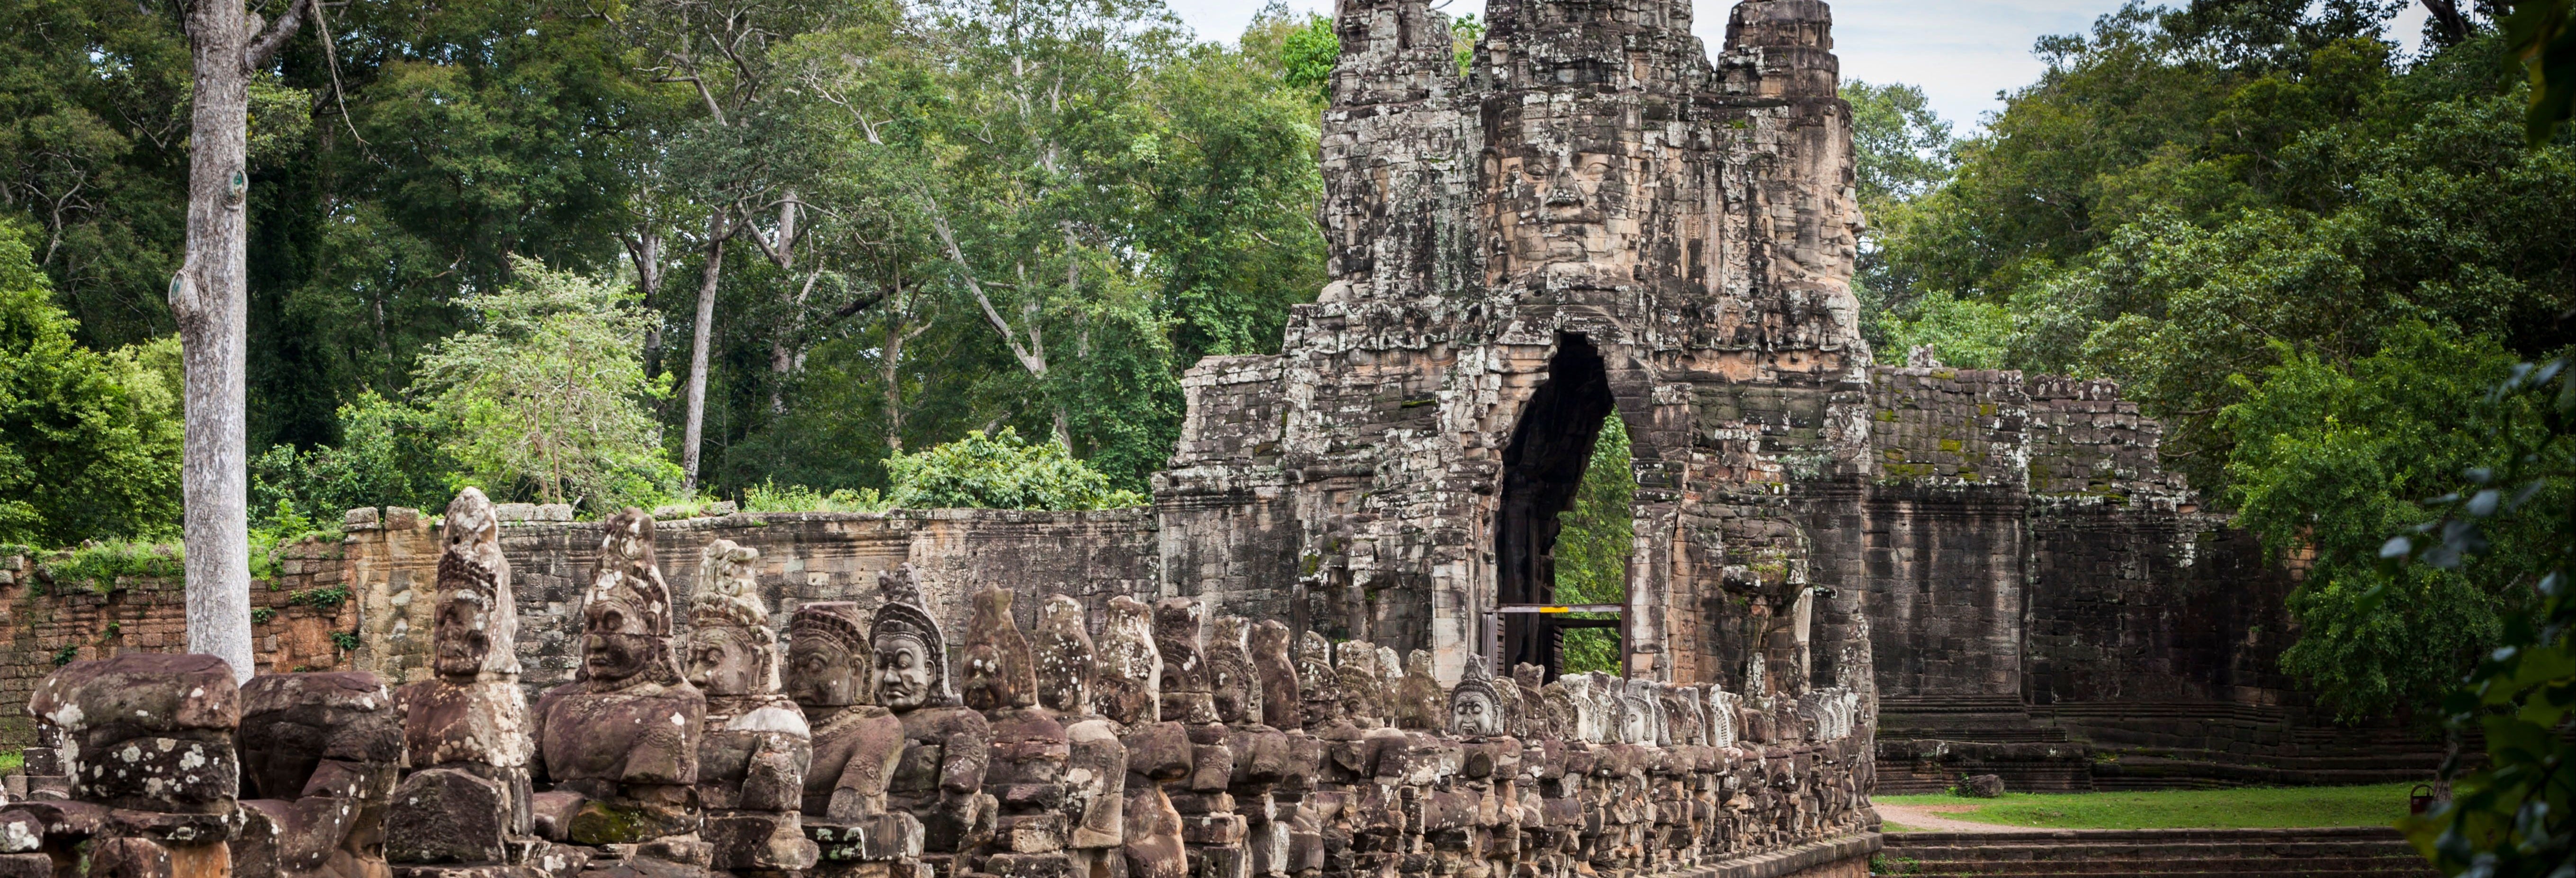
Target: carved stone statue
1187 691
1031 752
1419 703
466 732
1126 687
755 747
856 745
320 751
1275 674
940 778
624 733
1475 711
1231 678
1095 771
1063 652
1319 689
1362 692
148 741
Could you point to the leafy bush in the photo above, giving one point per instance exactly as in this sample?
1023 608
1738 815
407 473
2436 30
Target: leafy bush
547 398
2333 457
1001 472
89 441
771 497
388 455
97 565
324 599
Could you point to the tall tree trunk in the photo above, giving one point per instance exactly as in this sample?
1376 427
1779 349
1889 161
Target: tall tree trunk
708 277
645 249
210 300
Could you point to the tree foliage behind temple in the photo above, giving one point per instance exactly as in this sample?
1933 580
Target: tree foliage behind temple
2297 246
1126 199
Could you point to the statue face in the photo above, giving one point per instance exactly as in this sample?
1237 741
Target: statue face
1473 715
1563 206
461 637
612 657
1632 724
722 661
819 674
612 643
903 672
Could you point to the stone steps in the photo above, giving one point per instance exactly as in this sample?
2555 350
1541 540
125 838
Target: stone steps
2341 851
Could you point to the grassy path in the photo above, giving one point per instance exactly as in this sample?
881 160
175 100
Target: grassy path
2246 807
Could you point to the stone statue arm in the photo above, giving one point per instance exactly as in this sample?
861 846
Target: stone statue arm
859 792
965 753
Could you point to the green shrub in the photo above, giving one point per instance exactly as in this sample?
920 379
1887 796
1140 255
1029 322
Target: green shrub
324 599
97 565
771 497
1001 472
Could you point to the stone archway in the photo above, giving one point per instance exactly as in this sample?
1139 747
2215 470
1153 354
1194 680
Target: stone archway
1542 468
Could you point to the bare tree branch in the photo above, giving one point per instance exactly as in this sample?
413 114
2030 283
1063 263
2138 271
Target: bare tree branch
265 47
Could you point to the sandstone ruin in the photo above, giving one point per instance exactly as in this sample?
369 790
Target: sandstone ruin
1325 650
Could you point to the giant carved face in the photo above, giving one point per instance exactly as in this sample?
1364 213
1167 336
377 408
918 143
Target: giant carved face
461 636
903 672
820 673
615 643
723 661
1473 715
1563 206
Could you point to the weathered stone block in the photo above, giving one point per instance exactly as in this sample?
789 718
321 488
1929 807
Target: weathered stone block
446 815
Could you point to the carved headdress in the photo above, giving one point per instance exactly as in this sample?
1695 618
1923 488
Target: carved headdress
627 598
472 572
904 614
1477 683
628 579
727 599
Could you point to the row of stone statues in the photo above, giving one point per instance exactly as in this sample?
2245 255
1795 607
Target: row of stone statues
1167 747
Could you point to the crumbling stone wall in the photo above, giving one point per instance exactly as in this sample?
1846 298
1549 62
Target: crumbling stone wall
47 624
805 557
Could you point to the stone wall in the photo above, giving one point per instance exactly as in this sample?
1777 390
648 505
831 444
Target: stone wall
49 622
804 557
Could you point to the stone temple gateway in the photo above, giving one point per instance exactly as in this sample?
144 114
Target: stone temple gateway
1594 222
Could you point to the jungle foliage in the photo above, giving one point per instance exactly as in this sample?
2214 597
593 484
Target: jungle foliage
2296 244
911 219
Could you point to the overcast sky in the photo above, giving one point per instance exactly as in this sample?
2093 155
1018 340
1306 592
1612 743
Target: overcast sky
1961 52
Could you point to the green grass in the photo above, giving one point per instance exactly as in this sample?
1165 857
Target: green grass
2244 807
12 760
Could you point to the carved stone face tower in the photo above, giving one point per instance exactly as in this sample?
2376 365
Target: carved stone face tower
1594 222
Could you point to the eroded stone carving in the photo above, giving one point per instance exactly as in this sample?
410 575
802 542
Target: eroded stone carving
466 801
940 777
320 751
755 747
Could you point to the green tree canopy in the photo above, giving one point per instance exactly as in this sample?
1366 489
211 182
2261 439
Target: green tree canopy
89 441
546 397
1001 471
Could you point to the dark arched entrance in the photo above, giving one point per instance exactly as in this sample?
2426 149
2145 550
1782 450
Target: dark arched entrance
1542 468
